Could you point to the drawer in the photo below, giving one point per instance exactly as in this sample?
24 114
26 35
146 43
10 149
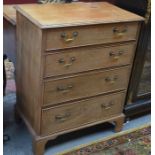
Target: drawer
88 35
85 85
87 58
82 112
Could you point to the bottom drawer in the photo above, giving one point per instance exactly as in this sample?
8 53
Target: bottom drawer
82 112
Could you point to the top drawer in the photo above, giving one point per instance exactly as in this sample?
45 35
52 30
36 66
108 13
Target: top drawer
89 35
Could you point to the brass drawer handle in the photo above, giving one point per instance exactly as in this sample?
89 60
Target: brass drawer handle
61 61
119 33
62 118
111 80
107 106
66 65
68 39
64 89
115 55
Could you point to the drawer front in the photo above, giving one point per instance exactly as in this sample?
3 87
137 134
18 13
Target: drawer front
83 112
85 85
88 35
87 58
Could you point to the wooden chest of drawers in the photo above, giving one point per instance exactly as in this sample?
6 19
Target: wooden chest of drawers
73 66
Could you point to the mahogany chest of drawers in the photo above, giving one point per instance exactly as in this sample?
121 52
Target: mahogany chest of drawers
73 66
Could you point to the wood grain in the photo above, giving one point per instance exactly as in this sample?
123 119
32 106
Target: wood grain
90 35
73 14
82 112
28 70
82 59
54 100
85 85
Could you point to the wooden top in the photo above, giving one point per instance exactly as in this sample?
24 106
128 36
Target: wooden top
9 13
74 14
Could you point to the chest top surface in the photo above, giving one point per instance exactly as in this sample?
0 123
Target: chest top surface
75 14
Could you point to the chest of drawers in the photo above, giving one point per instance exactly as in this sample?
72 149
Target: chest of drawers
73 66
